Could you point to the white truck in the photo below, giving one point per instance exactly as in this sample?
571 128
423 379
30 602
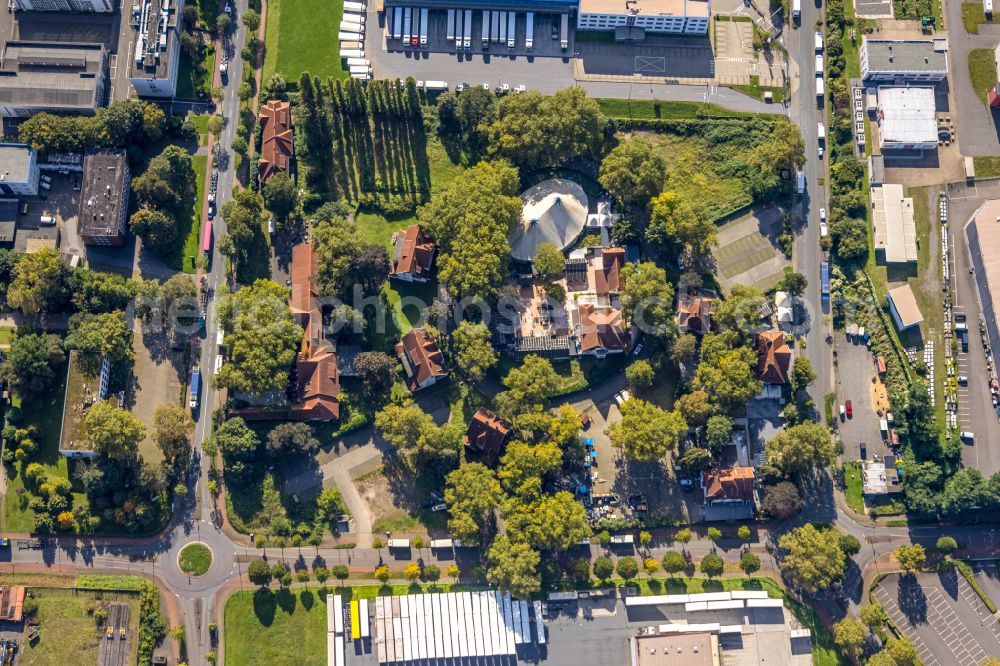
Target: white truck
820 90
819 42
435 85
495 26
511 28
821 132
819 63
407 19
486 29
529 31
397 23
796 10
354 6
423 26
564 32
503 28
622 539
467 39
352 62
451 25
360 69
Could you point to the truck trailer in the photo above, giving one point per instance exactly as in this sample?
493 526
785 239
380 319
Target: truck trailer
423 26
467 39
529 30
511 28
451 25
397 23
486 29
564 32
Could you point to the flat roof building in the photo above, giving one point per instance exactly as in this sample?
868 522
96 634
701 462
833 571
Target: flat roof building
8 220
82 6
671 16
877 479
904 308
906 118
155 55
982 239
52 76
910 60
895 229
696 648
18 170
104 196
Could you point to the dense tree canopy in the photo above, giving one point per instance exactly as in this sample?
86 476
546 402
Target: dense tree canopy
534 130
336 243
812 558
29 363
168 183
534 381
470 221
474 353
156 228
634 171
550 522
648 300
421 443
675 222
172 428
112 431
40 284
261 339
104 335
513 567
801 448
646 432
472 493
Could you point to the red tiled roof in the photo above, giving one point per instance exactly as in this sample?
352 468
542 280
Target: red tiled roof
12 604
694 314
276 139
317 380
413 254
774 358
486 434
733 483
422 359
600 328
607 279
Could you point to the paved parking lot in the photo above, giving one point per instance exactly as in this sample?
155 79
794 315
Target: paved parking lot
873 8
942 615
975 411
855 370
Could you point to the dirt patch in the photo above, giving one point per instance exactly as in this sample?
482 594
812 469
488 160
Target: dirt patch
880 397
399 506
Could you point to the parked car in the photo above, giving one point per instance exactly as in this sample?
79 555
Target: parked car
621 397
967 436
850 409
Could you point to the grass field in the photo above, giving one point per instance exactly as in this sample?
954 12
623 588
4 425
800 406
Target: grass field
69 634
200 121
403 318
301 36
757 91
743 253
983 72
696 171
852 487
196 77
283 628
190 229
973 15
987 167
646 109
195 559
7 334
44 413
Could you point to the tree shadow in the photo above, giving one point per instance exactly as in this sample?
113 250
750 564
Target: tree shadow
912 600
264 606
285 600
307 599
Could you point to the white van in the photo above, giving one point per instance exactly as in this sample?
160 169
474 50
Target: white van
967 436
47 220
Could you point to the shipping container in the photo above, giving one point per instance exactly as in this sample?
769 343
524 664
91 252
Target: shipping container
494 26
503 28
359 69
529 31
351 17
349 36
539 625
365 627
355 620
353 62
338 613
441 543
354 7
819 41
820 90
450 35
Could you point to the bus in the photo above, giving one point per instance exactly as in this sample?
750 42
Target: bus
195 388
206 238
824 276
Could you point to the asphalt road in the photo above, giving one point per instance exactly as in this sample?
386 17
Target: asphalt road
801 45
975 123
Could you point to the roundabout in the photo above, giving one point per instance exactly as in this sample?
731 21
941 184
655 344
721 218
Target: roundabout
195 559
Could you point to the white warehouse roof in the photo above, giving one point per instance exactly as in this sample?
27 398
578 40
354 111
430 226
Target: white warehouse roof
895 228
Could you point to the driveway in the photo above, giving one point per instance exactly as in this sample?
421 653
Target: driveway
975 123
855 371
942 615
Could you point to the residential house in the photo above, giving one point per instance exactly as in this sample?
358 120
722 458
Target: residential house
774 358
412 255
694 313
728 493
422 360
316 389
486 435
276 146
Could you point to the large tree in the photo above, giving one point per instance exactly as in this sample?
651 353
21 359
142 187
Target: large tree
155 227
916 423
244 216
646 432
513 567
104 335
239 446
291 439
676 222
534 381
168 182
337 244
728 377
525 463
550 522
98 291
474 353
371 268
634 171
648 300
113 432
422 445
172 428
40 284
377 372
533 130
28 364
472 494
783 151
280 195
470 220
781 500
549 262
261 339
801 448
811 558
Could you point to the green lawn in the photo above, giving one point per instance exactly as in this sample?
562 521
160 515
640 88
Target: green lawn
194 78
987 167
973 15
278 628
378 229
645 109
208 12
7 334
983 72
68 632
301 36
852 487
195 559
190 229
200 121
757 91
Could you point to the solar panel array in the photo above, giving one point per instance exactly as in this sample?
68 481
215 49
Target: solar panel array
449 626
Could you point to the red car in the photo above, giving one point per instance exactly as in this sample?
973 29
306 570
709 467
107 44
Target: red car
850 410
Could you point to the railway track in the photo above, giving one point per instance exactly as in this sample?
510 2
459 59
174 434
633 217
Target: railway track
115 639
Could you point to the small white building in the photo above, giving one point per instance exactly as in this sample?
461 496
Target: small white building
906 119
904 309
18 170
670 16
784 305
895 228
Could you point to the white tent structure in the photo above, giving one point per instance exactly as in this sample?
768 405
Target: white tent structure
554 211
